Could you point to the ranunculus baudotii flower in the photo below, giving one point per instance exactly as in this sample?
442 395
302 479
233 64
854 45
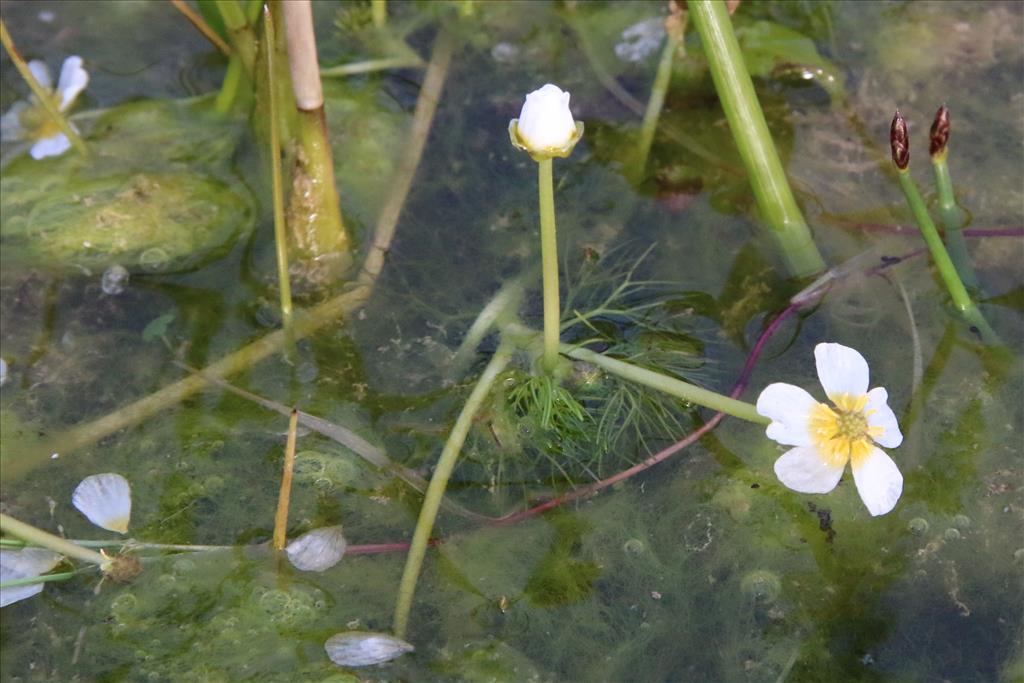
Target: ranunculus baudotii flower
826 437
545 127
28 120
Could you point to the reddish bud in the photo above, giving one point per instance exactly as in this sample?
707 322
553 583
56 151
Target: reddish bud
899 140
940 132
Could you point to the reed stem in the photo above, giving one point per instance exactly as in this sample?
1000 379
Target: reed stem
47 540
280 227
438 483
379 12
285 494
753 140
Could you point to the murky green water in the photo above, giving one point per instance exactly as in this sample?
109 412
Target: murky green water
702 568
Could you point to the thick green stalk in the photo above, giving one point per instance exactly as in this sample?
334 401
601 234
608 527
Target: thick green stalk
438 483
549 263
940 257
753 140
656 101
669 385
953 220
241 33
46 99
47 540
280 227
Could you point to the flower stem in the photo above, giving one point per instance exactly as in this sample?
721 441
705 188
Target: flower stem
200 25
285 494
379 12
675 27
953 219
45 99
438 483
947 271
549 263
241 33
49 541
669 385
753 140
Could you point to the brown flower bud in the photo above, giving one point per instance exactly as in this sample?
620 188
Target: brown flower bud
899 140
940 132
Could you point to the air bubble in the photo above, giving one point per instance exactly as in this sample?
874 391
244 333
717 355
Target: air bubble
154 259
114 280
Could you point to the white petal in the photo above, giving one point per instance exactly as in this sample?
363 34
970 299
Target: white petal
545 121
41 73
362 648
879 482
24 564
841 370
789 408
881 415
10 123
803 470
53 146
317 550
106 500
73 79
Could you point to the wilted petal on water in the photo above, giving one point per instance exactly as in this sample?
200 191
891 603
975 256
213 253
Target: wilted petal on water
106 500
362 648
317 550
24 564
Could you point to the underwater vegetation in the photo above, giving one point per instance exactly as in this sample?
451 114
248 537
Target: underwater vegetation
366 340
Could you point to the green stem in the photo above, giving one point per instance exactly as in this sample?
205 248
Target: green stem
280 235
49 541
43 578
379 12
655 103
940 257
240 31
669 385
46 99
371 65
438 483
953 220
753 140
230 85
549 263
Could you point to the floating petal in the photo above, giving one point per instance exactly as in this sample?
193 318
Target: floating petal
106 500
317 550
789 408
362 648
24 564
878 481
842 371
803 469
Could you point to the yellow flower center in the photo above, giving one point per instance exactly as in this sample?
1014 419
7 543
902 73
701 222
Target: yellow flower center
36 122
842 433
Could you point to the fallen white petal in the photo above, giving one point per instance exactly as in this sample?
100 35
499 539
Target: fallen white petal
841 370
361 648
72 81
803 470
317 550
106 500
24 564
878 481
881 415
789 408
41 73
52 146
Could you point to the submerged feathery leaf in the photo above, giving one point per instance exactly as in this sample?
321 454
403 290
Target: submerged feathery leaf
105 500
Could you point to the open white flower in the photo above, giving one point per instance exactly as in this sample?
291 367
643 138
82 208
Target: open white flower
29 121
545 127
827 437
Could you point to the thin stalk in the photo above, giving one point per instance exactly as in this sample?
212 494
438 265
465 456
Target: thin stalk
371 65
47 540
200 24
280 228
674 28
46 99
379 12
230 85
285 494
549 263
669 385
753 140
438 483
940 257
953 220
241 33
42 578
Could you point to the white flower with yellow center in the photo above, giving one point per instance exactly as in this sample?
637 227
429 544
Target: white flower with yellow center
29 121
827 437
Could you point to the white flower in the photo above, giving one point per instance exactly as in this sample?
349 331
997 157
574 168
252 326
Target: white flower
827 437
545 127
28 120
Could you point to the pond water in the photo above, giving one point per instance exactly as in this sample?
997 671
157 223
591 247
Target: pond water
703 567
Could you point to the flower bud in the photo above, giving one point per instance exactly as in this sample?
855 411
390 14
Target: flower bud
899 139
940 132
545 127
